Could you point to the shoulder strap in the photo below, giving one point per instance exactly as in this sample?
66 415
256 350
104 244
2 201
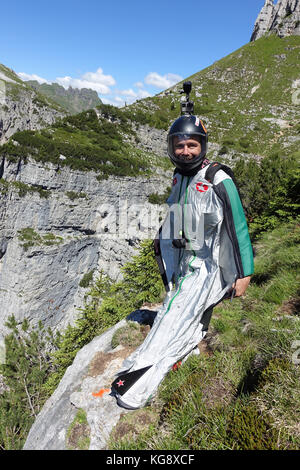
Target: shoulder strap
212 170
214 167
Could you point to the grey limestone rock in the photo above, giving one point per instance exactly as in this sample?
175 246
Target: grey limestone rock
282 18
48 244
49 431
152 140
86 386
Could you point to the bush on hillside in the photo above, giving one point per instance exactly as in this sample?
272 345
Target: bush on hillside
27 366
270 191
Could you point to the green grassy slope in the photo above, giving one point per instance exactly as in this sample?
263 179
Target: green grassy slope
246 100
15 88
86 142
242 391
237 95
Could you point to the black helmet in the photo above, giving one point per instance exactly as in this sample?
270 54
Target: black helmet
187 126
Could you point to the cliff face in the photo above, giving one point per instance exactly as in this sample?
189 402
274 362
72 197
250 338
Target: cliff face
52 233
282 18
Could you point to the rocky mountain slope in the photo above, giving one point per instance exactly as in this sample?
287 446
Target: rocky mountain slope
55 234
282 18
23 108
53 180
52 216
93 367
56 180
73 100
247 98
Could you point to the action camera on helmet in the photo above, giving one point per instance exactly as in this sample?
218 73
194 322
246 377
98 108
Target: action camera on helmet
187 106
186 127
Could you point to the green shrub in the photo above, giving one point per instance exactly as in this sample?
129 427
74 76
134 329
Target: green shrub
73 195
249 429
87 279
223 150
111 302
30 238
78 434
155 198
270 191
26 368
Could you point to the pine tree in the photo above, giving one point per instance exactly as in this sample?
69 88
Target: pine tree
26 368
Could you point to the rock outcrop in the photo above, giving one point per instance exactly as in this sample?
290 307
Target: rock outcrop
282 18
21 108
86 387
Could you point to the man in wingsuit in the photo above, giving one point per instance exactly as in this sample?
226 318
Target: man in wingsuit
205 255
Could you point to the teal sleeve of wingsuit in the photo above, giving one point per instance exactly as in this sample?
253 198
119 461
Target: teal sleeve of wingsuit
241 228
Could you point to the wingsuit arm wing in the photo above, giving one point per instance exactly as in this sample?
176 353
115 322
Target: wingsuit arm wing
236 226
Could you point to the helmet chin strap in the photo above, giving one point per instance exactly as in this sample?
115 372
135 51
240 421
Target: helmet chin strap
192 172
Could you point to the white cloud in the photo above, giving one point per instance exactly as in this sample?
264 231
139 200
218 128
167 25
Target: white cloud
99 77
129 92
115 101
26 76
129 96
67 82
143 94
162 81
95 80
103 84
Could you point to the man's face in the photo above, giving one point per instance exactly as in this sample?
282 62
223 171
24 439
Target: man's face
187 149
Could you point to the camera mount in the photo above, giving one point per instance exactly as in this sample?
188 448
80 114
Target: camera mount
187 106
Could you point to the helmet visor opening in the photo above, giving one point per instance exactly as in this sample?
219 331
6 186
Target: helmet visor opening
185 147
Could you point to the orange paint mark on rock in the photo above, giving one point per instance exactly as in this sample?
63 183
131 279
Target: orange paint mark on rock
101 392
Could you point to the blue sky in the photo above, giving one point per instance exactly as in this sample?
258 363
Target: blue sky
126 50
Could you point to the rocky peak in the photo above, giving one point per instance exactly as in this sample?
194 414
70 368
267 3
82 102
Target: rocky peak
282 18
23 108
72 100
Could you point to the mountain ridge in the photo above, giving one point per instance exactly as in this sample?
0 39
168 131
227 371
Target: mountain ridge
23 108
245 98
73 100
283 18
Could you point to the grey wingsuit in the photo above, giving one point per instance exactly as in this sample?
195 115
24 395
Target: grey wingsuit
210 219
